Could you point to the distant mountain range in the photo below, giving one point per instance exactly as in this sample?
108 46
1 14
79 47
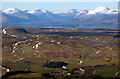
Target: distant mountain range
101 17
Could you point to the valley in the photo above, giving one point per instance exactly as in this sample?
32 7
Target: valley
60 53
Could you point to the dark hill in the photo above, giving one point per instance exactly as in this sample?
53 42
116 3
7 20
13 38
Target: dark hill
16 30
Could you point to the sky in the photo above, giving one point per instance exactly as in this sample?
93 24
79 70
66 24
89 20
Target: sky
60 0
58 6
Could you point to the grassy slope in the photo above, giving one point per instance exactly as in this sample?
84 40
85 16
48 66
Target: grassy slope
63 52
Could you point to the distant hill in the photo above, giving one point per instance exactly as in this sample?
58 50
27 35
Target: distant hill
101 16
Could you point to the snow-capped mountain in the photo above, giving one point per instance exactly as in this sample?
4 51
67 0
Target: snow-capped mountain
102 10
72 11
99 10
11 10
16 13
39 11
101 16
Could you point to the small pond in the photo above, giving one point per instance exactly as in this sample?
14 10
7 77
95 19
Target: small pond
105 44
55 64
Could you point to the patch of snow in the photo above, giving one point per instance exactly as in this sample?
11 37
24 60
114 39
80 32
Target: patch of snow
116 73
68 73
15 44
4 31
33 46
64 67
98 51
74 52
110 48
19 42
13 51
26 69
58 42
80 61
21 58
13 36
82 69
28 43
96 38
52 41
36 35
14 47
8 70
51 60
71 37
36 46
